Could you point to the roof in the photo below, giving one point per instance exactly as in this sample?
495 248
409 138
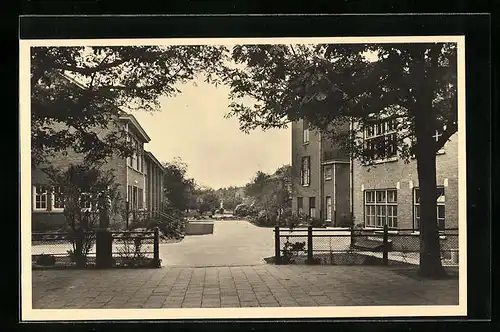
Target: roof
153 158
131 119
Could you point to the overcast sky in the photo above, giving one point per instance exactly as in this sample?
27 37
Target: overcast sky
192 126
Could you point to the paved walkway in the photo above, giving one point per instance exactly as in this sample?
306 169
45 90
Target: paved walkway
244 286
233 243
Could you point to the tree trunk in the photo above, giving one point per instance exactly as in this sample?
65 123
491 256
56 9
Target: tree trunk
425 128
430 250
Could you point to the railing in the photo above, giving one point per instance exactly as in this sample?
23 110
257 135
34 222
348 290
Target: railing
343 246
129 248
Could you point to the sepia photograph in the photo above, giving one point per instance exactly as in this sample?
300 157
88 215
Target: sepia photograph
223 178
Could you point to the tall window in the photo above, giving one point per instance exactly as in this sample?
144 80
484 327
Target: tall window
305 131
134 154
328 173
85 201
300 205
380 140
58 201
134 197
41 197
328 208
381 207
312 207
305 171
129 197
140 198
440 209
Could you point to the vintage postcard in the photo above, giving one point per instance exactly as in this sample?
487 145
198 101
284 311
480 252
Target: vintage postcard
243 178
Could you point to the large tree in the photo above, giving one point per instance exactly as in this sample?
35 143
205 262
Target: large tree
178 190
76 91
271 192
336 85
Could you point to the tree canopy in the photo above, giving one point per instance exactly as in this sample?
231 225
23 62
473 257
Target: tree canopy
412 86
334 84
76 91
179 190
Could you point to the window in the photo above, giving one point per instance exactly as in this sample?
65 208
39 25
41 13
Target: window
300 205
129 197
134 154
312 207
305 131
305 171
58 201
141 197
134 197
380 140
328 208
381 207
328 173
440 209
41 198
85 201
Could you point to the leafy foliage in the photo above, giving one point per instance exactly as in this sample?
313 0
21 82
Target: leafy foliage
271 194
76 91
87 192
336 86
179 191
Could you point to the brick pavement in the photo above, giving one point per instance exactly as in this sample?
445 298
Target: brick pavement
237 286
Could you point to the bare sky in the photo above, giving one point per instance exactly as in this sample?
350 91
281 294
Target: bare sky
192 126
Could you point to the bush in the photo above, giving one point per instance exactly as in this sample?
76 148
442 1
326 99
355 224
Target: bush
241 210
46 260
316 222
292 250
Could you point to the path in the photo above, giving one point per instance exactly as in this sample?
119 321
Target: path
233 243
248 286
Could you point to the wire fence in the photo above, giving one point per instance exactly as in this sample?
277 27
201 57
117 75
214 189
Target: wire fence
348 247
128 249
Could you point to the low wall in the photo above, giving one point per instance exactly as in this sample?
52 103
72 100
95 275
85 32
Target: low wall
199 228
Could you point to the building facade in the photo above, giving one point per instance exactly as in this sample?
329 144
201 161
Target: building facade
387 192
139 180
329 186
320 177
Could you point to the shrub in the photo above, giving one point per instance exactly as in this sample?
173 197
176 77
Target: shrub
292 250
46 260
316 222
241 210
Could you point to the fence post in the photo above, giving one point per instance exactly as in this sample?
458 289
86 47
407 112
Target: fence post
309 245
277 246
156 247
385 257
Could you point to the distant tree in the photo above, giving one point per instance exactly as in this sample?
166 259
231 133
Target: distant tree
178 190
230 196
81 89
271 192
207 200
412 85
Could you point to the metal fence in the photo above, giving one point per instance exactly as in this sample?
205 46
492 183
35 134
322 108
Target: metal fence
348 247
128 249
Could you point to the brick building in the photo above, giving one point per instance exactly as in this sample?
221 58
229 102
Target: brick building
388 191
320 177
139 179
329 186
